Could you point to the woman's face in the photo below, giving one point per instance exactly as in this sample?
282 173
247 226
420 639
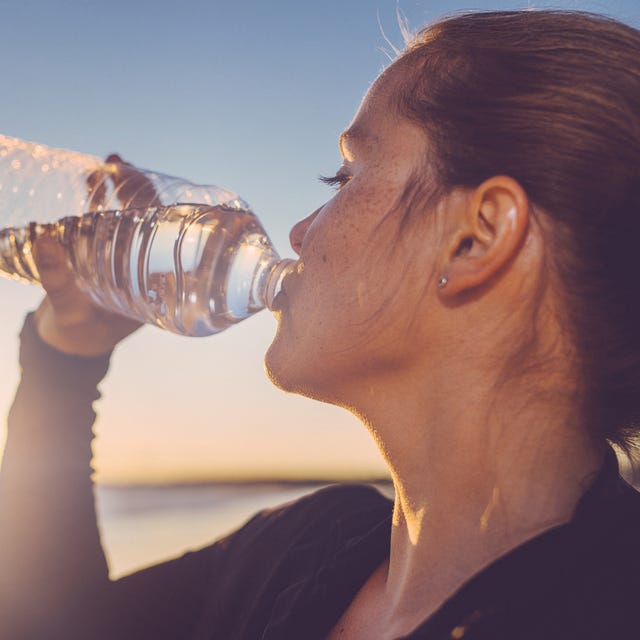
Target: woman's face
346 315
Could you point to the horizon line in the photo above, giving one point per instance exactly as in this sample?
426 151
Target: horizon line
240 480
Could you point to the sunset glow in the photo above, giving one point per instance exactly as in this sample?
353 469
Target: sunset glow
252 97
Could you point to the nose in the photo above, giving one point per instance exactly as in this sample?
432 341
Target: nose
299 230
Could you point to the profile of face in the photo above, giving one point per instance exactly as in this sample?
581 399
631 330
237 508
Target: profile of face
346 316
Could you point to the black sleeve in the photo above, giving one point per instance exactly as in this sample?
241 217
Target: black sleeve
54 583
53 574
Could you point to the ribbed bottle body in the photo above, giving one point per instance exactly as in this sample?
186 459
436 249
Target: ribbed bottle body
189 258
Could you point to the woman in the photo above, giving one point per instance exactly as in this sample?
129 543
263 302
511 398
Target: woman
471 293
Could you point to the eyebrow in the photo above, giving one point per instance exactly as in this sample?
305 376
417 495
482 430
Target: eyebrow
351 134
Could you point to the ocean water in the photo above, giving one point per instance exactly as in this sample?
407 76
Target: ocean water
143 525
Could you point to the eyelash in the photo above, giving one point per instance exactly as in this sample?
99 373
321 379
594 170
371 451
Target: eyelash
337 182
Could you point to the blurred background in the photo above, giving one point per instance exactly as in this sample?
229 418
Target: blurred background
248 95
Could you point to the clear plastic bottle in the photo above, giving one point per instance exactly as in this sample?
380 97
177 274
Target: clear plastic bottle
189 258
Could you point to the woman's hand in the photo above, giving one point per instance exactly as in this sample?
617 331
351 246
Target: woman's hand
67 319
119 184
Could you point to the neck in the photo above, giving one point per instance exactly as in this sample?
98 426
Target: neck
471 484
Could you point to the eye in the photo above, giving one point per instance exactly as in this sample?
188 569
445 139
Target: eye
338 181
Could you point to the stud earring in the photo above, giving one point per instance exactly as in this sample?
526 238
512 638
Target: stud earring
442 282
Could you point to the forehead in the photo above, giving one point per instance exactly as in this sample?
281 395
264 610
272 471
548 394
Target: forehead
378 115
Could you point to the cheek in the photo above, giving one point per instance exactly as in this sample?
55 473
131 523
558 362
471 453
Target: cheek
359 260
395 301
350 231
361 301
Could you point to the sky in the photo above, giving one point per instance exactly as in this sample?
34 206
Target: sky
248 95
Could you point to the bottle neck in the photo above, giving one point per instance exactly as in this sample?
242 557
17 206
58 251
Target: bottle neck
277 271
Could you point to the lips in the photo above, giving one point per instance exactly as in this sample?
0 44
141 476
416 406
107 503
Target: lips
281 297
292 274
278 301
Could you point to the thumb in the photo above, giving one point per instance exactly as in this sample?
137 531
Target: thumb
52 262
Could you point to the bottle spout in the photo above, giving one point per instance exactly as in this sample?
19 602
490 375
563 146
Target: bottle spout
279 271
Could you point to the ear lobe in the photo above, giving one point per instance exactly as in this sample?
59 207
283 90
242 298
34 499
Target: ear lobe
491 231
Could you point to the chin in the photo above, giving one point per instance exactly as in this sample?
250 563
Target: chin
277 366
293 373
281 362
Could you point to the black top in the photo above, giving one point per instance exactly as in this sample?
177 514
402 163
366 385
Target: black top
290 572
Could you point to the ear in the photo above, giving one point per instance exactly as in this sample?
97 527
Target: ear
490 231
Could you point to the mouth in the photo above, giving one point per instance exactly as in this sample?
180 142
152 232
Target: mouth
279 300
277 273
290 269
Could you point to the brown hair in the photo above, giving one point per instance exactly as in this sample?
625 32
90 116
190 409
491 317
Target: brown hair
552 99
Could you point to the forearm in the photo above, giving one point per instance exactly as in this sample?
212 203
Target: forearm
50 552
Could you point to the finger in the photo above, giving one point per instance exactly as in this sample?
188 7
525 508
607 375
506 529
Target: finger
96 189
53 264
114 158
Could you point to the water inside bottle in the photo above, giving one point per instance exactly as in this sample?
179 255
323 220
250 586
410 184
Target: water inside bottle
192 269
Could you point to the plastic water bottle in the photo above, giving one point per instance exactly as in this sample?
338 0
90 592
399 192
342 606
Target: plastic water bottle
189 258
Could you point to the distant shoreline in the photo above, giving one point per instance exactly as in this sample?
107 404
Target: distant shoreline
242 482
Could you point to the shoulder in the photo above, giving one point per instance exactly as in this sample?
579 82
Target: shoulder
607 584
619 555
350 507
337 498
281 549
582 580
618 545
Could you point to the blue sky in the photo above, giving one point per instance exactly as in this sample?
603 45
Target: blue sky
249 95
